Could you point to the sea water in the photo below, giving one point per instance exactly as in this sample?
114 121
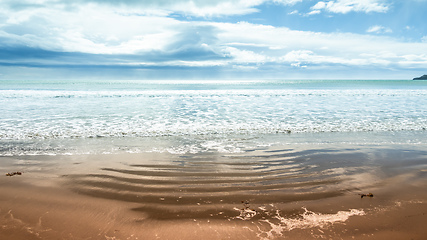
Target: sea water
104 116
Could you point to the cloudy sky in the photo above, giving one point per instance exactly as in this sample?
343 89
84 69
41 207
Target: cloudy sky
207 39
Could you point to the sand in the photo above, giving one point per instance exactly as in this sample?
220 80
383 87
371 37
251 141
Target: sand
163 196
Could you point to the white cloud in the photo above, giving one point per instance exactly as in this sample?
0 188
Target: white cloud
287 2
319 5
214 8
304 48
92 29
314 12
379 29
155 39
413 61
244 56
298 57
199 8
346 6
415 57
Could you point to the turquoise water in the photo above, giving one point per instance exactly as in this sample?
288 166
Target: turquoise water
94 116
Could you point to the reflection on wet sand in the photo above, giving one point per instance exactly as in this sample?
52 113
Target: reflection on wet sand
261 194
212 186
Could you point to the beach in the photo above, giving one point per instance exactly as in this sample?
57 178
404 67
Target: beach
297 192
256 159
207 120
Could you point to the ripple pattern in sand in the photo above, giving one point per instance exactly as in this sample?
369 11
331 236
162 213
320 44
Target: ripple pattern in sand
213 185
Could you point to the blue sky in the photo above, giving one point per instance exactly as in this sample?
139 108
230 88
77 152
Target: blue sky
222 39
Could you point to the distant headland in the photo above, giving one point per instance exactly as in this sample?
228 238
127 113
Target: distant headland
423 77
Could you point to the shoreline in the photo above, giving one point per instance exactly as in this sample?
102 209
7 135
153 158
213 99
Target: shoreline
271 193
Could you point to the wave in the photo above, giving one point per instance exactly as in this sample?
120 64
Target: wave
121 111
137 128
40 94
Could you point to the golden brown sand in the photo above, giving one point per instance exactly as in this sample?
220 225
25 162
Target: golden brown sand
160 196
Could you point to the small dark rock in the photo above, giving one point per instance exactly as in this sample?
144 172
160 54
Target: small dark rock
13 174
366 195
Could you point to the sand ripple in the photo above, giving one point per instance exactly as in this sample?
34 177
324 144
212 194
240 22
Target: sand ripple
210 185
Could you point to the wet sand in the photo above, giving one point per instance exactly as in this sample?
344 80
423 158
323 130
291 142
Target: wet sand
300 192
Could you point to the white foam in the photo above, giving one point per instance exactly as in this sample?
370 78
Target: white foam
306 220
188 93
221 147
246 213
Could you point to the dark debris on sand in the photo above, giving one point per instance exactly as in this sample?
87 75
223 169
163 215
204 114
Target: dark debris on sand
13 174
366 195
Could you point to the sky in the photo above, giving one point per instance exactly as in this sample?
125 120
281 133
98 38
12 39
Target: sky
206 39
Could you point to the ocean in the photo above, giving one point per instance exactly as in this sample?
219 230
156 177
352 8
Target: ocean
57 117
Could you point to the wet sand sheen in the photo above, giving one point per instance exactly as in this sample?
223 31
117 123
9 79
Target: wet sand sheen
266 193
